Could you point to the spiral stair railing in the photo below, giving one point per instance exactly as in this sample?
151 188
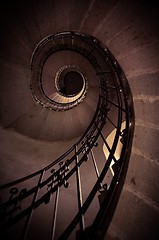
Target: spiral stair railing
45 48
21 198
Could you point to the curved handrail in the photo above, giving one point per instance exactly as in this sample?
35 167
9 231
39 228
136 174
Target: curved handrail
114 100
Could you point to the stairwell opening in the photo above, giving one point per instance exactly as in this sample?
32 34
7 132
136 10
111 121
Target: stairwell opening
72 84
70 81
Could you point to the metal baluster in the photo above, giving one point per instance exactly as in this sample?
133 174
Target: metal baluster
72 40
56 204
26 226
95 166
66 183
111 122
55 214
113 103
53 42
79 192
13 191
62 41
105 142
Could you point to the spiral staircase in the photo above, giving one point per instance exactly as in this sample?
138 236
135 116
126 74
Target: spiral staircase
65 168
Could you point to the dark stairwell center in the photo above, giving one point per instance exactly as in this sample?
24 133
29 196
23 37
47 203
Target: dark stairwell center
73 83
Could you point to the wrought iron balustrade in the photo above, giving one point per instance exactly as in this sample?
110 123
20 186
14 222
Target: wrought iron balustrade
93 194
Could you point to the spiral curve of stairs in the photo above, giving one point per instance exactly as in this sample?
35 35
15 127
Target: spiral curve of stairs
33 136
